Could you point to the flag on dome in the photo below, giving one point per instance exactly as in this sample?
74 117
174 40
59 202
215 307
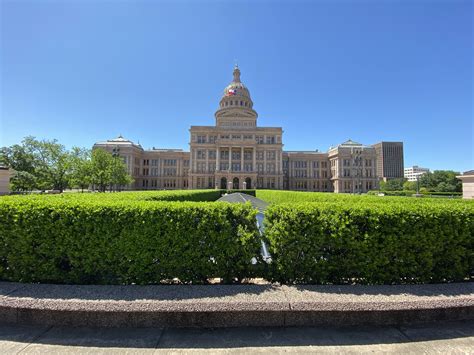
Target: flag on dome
231 92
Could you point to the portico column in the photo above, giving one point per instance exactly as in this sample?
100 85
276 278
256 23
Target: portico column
217 158
230 159
265 161
241 158
254 159
281 161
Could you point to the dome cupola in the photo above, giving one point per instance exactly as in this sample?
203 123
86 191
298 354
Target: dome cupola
236 103
235 93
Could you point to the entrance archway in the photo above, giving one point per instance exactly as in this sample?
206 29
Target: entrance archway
224 183
248 183
235 183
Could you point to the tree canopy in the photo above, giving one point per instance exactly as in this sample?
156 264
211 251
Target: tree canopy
436 181
48 165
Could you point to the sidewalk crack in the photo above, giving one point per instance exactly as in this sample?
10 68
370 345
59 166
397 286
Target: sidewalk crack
404 334
36 338
159 337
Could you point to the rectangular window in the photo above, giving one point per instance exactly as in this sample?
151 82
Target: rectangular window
270 140
224 154
271 155
170 162
235 155
201 154
271 168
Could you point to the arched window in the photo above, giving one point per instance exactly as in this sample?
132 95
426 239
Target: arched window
241 103
231 103
226 103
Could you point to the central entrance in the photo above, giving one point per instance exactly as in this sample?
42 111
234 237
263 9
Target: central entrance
248 183
235 183
224 183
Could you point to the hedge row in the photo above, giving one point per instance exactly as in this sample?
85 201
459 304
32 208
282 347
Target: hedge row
375 244
411 193
151 237
118 242
276 197
193 195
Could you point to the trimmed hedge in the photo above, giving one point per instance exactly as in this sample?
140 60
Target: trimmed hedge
155 236
275 197
411 193
375 243
70 239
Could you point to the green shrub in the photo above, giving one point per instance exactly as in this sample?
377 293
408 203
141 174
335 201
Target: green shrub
153 236
411 193
122 238
375 243
273 196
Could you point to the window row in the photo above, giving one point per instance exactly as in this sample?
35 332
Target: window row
236 103
162 184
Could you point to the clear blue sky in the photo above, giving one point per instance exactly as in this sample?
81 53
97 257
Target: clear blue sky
326 71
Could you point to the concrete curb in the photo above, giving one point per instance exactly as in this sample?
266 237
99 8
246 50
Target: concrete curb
233 305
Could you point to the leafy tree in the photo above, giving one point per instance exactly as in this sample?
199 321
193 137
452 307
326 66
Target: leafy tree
119 175
392 185
22 181
81 168
18 158
46 164
108 171
101 162
58 164
441 181
409 186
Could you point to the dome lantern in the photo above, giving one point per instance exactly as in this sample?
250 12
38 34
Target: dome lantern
236 74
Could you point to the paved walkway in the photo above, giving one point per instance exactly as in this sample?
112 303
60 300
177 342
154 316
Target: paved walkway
435 338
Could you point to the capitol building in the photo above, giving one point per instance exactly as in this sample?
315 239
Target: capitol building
236 153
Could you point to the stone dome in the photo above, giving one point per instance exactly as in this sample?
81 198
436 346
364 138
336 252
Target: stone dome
236 93
236 87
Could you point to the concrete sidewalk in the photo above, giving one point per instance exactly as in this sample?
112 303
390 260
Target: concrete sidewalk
233 305
439 338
